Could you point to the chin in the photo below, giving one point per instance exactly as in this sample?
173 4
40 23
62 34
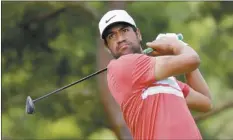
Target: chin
122 54
125 52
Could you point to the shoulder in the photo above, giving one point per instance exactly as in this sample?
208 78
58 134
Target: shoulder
123 65
126 59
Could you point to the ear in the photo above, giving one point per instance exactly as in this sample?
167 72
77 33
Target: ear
139 34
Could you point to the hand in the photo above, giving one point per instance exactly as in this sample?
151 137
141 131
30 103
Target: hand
166 44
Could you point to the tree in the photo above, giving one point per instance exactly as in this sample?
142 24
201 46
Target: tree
46 45
111 107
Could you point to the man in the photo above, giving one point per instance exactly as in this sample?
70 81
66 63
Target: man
154 104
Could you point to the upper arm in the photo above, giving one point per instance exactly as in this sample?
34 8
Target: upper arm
132 71
143 71
172 65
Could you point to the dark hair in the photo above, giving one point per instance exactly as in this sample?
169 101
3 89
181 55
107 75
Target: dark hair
105 33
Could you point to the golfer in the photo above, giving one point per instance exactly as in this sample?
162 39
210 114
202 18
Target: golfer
155 105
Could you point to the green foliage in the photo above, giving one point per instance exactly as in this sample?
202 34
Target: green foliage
43 50
103 134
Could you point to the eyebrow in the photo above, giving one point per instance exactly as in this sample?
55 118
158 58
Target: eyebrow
110 32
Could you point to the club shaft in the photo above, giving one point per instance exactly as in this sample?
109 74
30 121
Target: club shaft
62 88
146 51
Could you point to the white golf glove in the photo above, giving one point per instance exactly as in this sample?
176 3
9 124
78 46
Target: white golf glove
170 35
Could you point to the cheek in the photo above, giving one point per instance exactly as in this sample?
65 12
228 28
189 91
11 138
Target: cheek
136 41
111 46
134 38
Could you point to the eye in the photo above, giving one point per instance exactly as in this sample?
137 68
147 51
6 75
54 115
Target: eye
110 36
125 30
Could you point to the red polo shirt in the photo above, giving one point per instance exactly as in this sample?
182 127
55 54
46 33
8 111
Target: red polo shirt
151 109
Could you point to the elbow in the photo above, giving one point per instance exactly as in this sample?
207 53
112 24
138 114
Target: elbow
208 107
194 61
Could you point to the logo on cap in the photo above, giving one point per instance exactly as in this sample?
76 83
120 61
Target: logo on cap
109 19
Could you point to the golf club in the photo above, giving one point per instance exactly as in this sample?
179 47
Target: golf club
30 107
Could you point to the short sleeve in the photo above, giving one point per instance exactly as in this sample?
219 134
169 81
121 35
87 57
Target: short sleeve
143 72
184 87
129 74
120 75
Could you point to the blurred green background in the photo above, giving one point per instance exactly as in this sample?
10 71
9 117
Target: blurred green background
46 45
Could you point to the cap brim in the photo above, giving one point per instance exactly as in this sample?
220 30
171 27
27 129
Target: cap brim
113 24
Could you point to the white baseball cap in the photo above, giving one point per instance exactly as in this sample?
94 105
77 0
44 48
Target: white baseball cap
114 16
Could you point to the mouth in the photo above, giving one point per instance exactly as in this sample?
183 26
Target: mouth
122 47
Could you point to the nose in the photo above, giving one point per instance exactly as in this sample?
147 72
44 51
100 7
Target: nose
120 38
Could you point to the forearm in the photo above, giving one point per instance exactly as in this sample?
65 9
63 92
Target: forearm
183 48
187 53
197 82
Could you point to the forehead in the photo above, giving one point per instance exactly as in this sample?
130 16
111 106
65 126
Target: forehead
115 27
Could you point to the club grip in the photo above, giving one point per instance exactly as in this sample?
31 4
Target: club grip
149 50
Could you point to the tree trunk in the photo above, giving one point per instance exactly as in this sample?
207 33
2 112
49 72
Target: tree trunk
111 107
215 111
